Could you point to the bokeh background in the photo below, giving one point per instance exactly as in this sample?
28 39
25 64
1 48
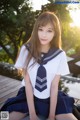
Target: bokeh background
17 18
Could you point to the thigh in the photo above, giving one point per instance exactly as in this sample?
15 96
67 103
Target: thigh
16 115
68 116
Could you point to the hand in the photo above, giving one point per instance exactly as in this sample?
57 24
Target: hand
34 117
51 118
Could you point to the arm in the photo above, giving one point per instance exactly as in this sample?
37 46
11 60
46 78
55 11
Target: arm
21 64
30 99
53 97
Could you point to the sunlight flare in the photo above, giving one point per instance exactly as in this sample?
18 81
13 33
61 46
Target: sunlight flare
75 15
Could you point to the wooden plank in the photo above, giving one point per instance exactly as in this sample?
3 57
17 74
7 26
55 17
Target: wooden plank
9 91
8 88
7 85
8 82
2 79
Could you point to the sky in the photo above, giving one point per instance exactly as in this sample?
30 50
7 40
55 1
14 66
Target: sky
37 3
75 14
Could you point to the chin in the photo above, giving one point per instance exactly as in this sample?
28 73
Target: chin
44 43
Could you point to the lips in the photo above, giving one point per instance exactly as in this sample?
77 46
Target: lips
43 39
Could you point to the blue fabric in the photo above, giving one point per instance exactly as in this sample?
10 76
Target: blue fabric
64 104
41 80
19 103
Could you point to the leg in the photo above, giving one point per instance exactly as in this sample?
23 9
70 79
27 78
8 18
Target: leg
68 116
16 116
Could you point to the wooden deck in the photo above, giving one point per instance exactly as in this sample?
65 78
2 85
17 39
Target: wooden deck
8 88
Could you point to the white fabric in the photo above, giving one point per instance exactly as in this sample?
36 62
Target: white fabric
69 59
56 66
78 63
21 61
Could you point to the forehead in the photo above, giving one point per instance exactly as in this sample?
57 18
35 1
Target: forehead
49 26
43 21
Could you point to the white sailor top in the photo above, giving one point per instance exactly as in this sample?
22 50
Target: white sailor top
56 66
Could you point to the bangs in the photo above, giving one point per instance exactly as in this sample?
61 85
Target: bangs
44 21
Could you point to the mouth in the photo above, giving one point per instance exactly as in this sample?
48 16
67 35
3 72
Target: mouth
43 39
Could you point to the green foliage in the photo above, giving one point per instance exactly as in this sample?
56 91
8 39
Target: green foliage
16 23
71 51
4 56
62 87
70 36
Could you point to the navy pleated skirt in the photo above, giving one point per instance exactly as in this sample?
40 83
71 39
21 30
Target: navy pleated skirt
19 103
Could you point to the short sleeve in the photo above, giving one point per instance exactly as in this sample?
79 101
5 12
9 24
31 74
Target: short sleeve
21 60
63 68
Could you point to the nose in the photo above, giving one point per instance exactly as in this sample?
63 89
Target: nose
44 34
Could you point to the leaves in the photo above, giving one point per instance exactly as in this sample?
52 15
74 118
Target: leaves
16 21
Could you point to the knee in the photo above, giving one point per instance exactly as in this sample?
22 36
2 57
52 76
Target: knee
16 116
68 116
60 117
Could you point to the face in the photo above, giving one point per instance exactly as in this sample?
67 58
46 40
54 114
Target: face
45 34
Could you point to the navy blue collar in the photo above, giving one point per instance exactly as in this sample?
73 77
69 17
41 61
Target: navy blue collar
52 53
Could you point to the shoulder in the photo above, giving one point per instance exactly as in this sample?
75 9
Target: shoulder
63 56
63 53
23 49
26 46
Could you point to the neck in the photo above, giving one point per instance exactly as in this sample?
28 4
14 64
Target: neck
45 48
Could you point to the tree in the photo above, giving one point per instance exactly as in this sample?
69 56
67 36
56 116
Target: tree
68 34
16 22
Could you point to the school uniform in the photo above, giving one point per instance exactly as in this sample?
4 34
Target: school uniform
41 75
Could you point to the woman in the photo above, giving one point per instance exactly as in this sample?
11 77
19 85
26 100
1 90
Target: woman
43 62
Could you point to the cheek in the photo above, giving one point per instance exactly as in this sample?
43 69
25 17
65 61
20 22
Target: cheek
51 36
39 34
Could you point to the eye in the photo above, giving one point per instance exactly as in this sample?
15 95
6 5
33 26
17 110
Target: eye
50 31
40 29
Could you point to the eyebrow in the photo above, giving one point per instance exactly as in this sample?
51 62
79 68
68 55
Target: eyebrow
44 26
50 28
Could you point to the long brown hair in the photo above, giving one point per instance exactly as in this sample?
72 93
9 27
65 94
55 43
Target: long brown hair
43 20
